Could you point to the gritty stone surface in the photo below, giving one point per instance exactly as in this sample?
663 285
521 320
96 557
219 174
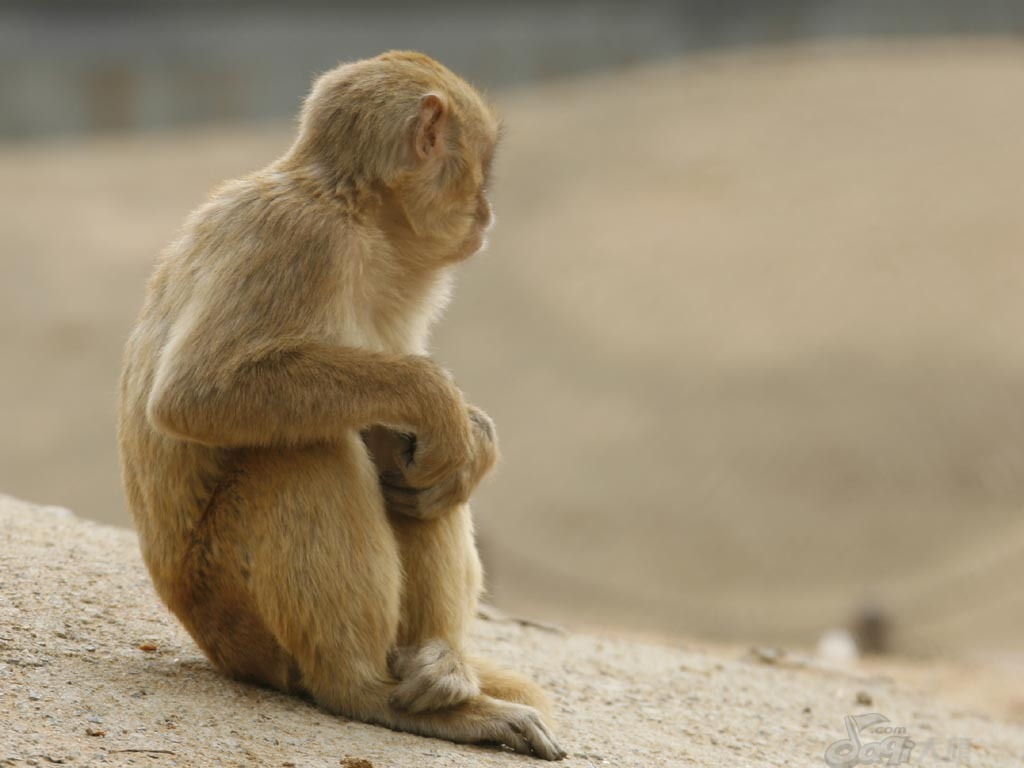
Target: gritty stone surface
95 672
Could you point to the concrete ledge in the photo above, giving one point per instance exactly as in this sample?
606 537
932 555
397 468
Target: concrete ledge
94 671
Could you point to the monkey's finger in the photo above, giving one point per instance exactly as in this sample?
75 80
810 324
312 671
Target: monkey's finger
400 660
405 449
403 508
430 695
396 481
401 499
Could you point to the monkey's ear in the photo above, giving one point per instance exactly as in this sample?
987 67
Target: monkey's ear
430 126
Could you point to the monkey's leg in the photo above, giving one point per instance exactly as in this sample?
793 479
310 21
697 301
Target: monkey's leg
443 580
326 577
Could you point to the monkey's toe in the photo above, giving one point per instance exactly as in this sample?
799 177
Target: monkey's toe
523 729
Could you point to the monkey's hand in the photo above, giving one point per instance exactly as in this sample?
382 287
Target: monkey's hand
405 490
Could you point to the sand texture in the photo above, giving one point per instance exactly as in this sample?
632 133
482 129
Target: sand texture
94 671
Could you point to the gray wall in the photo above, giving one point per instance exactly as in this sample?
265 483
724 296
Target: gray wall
87 66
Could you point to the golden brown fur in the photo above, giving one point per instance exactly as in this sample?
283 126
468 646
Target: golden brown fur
297 468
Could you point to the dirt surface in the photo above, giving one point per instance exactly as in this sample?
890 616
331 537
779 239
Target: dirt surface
750 328
94 671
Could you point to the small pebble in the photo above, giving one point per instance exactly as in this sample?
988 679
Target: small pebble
766 654
864 698
837 646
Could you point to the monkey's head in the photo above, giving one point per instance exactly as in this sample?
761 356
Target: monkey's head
404 125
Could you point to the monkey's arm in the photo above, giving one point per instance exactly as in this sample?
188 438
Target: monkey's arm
292 393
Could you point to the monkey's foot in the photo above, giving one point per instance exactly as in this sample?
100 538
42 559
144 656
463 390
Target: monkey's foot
433 676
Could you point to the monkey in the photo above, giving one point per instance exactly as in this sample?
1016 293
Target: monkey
297 467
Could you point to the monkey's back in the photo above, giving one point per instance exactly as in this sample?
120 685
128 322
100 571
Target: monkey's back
244 234
167 481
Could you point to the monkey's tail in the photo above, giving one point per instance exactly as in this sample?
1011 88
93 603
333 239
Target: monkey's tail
502 684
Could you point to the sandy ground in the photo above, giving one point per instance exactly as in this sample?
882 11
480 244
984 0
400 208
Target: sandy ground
93 671
751 330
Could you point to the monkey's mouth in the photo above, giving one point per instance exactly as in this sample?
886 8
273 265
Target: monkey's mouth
477 241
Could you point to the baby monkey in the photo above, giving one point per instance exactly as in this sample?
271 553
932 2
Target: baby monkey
298 469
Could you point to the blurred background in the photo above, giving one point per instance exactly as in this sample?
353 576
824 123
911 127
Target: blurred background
751 324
